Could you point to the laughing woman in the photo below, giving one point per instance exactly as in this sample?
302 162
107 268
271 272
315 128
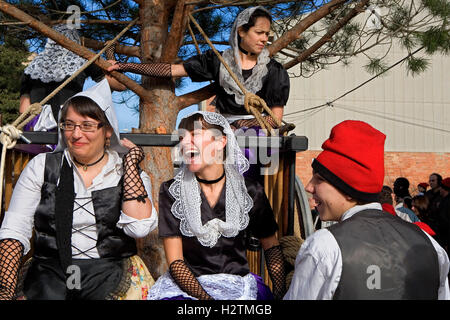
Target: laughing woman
204 215
86 205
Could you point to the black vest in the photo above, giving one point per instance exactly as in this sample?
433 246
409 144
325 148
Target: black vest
384 257
112 242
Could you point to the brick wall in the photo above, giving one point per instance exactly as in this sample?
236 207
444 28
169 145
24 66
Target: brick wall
416 167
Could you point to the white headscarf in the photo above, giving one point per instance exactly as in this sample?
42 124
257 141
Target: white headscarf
231 56
100 93
56 63
186 191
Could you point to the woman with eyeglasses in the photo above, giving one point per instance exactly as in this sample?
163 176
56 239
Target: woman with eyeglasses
87 202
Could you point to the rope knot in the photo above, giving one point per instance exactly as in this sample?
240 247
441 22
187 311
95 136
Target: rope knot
35 109
252 100
9 136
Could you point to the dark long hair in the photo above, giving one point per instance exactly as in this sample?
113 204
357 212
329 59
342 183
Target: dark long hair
255 15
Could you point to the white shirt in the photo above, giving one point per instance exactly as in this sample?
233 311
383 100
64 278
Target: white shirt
318 265
19 219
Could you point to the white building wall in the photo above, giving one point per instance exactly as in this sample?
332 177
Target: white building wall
414 112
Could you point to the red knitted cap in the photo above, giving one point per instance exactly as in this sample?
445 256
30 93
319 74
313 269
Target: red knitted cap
352 160
423 185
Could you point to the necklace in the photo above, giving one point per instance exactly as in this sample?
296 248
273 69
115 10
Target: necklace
211 181
245 51
86 165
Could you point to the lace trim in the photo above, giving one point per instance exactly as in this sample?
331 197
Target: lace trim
231 56
186 191
56 63
220 286
254 83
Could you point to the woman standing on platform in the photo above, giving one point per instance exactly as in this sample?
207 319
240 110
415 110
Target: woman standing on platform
249 60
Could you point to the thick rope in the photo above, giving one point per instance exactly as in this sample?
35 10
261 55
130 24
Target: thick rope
10 133
253 104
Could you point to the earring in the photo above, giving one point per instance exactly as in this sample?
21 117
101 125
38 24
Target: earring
107 142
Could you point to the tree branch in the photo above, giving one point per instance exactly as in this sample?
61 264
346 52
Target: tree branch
130 51
327 37
70 45
304 24
194 97
177 30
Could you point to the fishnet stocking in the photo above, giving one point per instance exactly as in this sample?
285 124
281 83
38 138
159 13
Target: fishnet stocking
10 255
276 267
186 280
253 123
161 70
133 187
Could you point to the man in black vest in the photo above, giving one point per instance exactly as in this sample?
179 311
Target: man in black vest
369 254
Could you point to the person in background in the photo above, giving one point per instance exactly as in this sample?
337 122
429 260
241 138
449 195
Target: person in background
356 258
422 188
385 198
47 71
401 191
420 208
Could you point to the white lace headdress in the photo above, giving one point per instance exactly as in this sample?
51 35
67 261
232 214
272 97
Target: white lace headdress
56 63
231 56
100 93
186 191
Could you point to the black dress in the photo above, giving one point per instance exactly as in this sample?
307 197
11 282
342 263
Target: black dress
38 90
275 89
229 254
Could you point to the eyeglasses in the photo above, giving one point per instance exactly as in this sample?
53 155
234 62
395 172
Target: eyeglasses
85 126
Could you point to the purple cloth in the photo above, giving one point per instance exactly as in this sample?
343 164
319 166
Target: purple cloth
264 292
30 125
254 172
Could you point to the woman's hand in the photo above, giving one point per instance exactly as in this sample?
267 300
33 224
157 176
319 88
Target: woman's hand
114 66
127 143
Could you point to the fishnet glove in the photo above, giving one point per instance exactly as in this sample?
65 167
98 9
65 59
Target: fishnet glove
10 255
160 70
186 280
133 187
276 267
109 53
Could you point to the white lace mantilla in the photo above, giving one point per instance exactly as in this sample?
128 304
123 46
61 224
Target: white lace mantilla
186 191
231 56
219 286
56 63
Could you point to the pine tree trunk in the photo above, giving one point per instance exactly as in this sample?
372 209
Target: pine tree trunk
158 114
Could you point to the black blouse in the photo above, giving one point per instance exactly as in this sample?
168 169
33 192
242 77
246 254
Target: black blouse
229 254
38 90
275 89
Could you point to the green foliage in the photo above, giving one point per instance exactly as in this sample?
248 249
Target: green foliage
435 40
11 69
417 65
375 66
